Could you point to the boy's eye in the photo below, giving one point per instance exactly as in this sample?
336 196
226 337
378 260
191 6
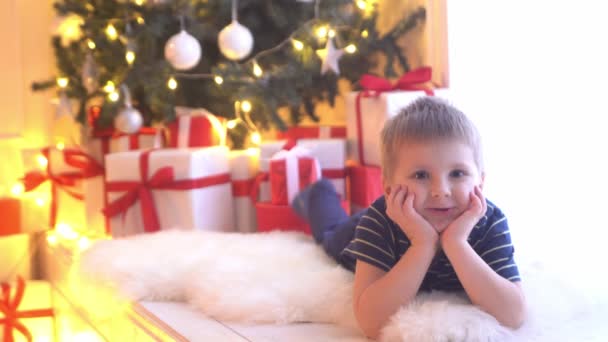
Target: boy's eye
457 173
421 175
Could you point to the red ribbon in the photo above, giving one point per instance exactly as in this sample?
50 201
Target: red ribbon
279 178
374 86
257 182
65 180
242 188
312 132
333 173
9 308
162 179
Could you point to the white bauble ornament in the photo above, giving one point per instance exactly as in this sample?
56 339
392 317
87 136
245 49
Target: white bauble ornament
235 41
183 51
128 120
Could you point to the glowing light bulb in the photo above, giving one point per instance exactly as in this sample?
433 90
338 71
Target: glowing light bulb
52 239
351 48
361 4
218 79
140 20
62 82
109 87
84 243
140 2
364 33
298 45
42 161
246 106
257 70
232 123
91 44
66 231
130 57
172 83
60 145
331 33
40 202
256 138
17 189
111 32
114 96
322 32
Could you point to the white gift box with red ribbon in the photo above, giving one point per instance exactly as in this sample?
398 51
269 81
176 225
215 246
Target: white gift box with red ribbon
291 171
331 154
169 189
244 166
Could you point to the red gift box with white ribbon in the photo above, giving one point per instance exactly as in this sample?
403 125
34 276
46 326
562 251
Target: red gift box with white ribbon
291 171
365 185
196 127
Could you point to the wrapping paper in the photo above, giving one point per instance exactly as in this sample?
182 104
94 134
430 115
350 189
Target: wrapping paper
291 171
365 184
196 128
331 154
244 166
206 208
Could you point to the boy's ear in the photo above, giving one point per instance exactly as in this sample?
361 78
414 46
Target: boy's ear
386 186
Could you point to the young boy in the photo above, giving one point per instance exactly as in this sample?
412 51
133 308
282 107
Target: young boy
432 230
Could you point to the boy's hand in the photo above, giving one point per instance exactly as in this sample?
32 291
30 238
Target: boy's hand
460 228
400 208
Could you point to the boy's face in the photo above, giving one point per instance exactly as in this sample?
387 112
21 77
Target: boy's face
441 174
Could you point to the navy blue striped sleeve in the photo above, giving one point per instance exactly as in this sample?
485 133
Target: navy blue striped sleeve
373 242
496 248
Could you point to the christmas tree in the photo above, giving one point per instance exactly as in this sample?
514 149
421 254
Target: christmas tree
242 60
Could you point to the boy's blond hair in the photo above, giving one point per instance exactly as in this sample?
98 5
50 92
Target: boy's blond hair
424 120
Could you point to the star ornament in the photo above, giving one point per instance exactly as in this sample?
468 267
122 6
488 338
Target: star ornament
330 57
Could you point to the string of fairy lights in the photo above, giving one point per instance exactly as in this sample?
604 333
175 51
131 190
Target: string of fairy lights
323 32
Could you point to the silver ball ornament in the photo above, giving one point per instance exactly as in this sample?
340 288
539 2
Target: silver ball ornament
183 51
128 120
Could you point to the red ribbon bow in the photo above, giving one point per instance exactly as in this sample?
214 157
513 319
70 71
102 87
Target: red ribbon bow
9 308
64 180
162 179
374 86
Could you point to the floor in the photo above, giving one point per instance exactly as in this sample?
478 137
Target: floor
192 325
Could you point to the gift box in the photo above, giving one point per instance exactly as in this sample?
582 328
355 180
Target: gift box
289 172
282 217
261 189
169 188
10 211
196 127
313 132
331 154
365 186
99 144
244 166
368 110
65 181
26 311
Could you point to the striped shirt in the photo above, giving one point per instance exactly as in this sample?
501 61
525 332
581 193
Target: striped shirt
380 242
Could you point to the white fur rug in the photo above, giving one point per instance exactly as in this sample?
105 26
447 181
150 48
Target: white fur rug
284 277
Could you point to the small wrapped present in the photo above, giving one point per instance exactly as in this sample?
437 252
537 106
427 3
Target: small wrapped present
368 110
365 185
169 188
291 171
65 177
313 132
196 128
244 166
261 188
331 154
10 211
26 310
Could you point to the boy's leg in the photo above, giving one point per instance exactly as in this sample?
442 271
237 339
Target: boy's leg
320 205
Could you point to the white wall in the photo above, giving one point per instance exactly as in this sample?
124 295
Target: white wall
532 75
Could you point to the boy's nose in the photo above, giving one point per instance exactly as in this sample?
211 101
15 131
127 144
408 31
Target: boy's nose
440 189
